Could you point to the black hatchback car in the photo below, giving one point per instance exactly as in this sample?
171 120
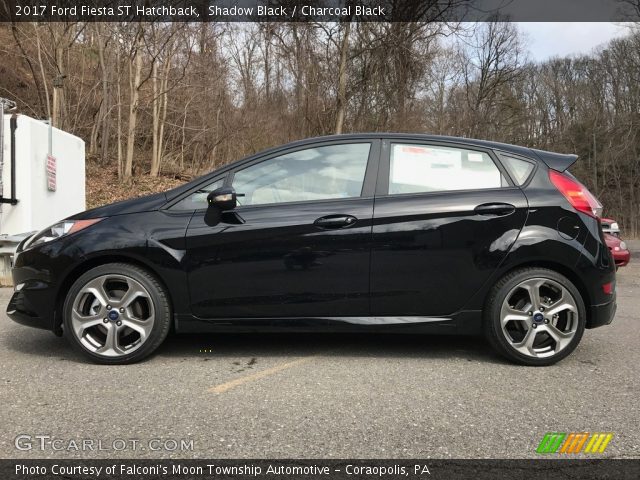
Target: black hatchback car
370 232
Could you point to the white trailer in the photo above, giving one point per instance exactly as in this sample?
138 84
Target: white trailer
42 180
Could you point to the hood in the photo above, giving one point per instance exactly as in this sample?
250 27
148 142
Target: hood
611 240
147 203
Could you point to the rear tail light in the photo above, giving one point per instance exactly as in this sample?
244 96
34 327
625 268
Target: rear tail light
608 288
579 197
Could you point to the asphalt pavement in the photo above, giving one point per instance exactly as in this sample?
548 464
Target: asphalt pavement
318 396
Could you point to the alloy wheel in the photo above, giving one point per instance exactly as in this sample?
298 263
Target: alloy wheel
112 315
539 317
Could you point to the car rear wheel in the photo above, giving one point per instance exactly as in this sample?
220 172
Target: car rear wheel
534 316
116 313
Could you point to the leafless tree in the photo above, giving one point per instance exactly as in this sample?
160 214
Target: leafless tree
177 100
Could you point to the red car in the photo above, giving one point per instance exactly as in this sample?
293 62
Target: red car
618 247
609 225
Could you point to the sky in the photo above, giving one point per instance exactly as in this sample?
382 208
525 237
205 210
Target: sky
550 39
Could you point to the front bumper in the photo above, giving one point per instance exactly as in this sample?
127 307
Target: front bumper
33 306
34 300
602 314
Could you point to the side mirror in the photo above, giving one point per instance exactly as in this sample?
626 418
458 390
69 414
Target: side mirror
224 198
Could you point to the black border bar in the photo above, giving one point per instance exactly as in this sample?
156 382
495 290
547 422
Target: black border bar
418 469
319 10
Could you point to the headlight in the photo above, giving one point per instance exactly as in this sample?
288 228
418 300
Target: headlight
59 230
623 246
614 226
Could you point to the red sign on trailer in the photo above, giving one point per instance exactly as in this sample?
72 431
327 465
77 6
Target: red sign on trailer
51 173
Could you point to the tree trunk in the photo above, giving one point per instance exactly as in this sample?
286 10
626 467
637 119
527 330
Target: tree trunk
342 80
163 115
135 71
119 122
155 161
93 138
105 107
160 101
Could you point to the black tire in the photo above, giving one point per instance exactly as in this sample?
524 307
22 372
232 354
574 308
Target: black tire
492 321
158 296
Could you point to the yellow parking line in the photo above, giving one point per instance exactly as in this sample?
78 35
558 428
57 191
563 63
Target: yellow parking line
224 387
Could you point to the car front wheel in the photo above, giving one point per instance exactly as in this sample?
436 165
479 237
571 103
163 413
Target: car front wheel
534 316
116 313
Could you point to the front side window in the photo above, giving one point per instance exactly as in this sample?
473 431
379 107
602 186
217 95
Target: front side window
426 168
320 173
198 199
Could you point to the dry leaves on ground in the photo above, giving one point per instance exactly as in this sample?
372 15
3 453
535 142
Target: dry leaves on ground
103 185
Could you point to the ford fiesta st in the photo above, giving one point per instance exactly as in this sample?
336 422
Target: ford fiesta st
369 232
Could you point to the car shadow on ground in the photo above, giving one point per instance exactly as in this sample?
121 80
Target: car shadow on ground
328 344
227 345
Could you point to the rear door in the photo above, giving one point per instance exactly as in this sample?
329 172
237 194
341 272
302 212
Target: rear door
445 217
298 245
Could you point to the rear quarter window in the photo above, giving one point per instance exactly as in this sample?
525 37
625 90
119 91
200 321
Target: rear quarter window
519 169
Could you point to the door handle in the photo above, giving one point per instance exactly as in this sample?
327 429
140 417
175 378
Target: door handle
335 221
497 209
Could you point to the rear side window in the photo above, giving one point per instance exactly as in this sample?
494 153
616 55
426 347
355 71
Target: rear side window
426 168
518 168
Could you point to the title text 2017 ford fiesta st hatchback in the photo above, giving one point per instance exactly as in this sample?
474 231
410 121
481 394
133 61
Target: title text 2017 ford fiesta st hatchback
371 232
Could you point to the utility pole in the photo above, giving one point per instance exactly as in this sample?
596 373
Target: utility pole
58 85
5 105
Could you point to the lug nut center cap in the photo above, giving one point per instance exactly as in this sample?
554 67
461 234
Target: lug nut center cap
113 315
538 317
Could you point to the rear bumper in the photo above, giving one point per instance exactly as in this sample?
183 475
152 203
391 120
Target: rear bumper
602 314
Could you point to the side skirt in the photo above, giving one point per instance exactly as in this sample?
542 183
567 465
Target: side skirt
464 323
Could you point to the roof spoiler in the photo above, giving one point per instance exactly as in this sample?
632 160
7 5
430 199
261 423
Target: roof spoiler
556 161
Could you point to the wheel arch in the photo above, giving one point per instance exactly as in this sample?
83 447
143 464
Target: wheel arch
556 267
97 261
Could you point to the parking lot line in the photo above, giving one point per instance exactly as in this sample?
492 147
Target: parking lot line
224 387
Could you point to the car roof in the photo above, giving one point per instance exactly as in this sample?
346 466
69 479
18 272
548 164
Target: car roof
421 136
557 161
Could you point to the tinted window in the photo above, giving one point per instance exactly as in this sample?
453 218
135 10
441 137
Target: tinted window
426 168
198 199
519 169
334 171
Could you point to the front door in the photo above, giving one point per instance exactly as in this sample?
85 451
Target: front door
298 244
